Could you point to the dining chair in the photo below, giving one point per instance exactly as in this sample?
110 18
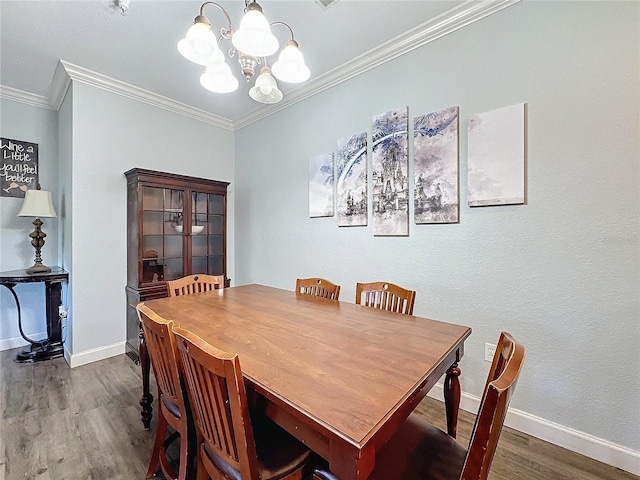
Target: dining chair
386 296
194 284
172 399
232 443
318 287
420 451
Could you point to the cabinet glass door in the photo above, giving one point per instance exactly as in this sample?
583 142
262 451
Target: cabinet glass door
162 244
207 233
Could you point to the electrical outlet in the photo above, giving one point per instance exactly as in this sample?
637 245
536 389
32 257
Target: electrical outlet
489 351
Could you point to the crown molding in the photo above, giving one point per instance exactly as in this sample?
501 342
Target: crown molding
88 77
25 97
458 17
59 86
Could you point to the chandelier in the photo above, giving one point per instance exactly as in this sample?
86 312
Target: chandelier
253 42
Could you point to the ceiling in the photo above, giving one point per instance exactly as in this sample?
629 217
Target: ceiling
139 48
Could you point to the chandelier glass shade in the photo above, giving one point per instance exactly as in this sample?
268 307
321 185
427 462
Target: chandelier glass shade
254 36
219 79
252 42
265 90
200 45
290 66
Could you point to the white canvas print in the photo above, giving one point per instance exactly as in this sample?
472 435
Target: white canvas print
435 156
496 157
321 198
351 187
389 182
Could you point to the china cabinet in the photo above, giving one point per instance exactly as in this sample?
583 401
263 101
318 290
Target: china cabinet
176 226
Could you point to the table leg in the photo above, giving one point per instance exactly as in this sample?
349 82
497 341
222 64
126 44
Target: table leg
53 295
147 398
50 347
452 398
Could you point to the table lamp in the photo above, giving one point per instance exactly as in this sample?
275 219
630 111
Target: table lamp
37 203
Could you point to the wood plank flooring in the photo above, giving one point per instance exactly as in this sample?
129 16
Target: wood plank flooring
84 423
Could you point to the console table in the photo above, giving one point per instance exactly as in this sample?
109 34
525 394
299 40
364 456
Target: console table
50 347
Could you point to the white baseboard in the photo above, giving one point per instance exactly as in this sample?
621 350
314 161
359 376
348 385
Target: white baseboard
94 355
565 437
16 342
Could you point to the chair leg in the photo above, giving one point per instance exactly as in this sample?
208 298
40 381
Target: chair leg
185 457
161 432
201 471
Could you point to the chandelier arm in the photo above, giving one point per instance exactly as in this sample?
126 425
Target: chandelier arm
290 29
224 33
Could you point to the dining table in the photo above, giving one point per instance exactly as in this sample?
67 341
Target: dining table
339 377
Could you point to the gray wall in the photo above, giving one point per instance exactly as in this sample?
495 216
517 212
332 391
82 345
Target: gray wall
112 134
560 273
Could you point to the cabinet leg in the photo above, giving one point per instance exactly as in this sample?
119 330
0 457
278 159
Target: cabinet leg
147 398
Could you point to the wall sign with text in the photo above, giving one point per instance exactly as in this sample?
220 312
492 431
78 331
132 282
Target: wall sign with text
18 167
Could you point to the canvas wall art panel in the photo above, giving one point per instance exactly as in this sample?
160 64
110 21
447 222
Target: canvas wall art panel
389 177
321 191
351 186
436 160
496 145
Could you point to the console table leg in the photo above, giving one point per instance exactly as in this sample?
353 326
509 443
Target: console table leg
147 398
452 398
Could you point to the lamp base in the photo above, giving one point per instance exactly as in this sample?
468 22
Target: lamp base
38 268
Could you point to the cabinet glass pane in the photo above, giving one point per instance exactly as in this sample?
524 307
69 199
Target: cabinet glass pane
152 271
216 265
173 269
198 219
172 246
216 225
216 246
173 200
216 204
199 265
173 223
152 198
199 245
199 203
152 246
152 223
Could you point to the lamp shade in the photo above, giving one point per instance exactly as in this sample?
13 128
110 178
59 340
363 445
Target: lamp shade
219 79
200 44
290 66
254 36
265 90
37 203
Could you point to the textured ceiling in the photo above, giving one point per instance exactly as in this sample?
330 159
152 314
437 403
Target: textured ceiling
139 48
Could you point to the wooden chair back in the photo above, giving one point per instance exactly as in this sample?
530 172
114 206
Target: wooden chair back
318 287
219 401
172 402
501 382
385 296
194 284
161 346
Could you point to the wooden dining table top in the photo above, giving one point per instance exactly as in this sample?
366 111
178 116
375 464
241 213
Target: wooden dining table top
340 370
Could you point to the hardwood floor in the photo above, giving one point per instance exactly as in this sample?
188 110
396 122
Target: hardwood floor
60 423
